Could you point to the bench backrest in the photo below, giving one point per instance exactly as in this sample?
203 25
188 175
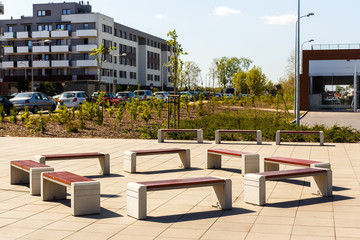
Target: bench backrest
182 183
237 131
299 132
295 161
66 177
27 164
155 151
179 130
228 152
73 155
293 173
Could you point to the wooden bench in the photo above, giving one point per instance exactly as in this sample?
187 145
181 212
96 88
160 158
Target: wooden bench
279 132
130 156
137 192
255 183
85 192
249 161
28 171
199 133
104 159
257 132
272 163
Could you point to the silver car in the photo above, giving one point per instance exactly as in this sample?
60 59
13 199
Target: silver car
72 98
35 101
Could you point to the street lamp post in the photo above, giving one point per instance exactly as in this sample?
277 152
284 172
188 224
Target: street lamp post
32 60
302 45
297 66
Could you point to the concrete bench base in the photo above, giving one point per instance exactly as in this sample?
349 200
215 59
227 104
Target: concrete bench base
257 132
199 133
249 161
130 157
28 171
85 192
272 163
279 132
255 183
104 159
137 192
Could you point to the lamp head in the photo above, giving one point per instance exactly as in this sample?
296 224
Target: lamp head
310 14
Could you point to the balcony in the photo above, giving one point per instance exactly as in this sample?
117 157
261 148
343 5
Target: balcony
60 34
8 50
40 34
7 64
60 63
10 35
22 64
85 48
86 33
22 35
41 64
23 49
60 48
85 63
40 49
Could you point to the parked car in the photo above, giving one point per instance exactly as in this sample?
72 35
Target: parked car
143 94
125 96
6 104
34 101
109 97
72 98
162 96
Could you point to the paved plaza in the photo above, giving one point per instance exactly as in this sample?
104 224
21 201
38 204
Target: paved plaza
292 212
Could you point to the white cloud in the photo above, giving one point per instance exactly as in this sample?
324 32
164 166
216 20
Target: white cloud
280 20
226 11
160 16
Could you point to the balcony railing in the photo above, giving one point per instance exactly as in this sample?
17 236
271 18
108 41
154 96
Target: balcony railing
40 34
85 48
60 48
22 64
22 49
41 64
335 46
22 35
10 35
60 63
41 49
86 33
7 64
8 50
60 33
85 63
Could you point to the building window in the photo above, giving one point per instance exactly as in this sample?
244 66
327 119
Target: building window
110 30
58 42
124 36
43 13
103 28
68 27
86 26
11 29
60 26
66 11
39 27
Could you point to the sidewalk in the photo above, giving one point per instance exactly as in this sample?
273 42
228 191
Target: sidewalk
291 213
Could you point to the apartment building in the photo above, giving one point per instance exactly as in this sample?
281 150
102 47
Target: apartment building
55 45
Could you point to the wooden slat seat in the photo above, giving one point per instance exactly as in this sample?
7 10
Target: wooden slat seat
255 183
137 192
279 132
103 158
249 161
272 163
257 132
28 171
131 156
85 192
199 133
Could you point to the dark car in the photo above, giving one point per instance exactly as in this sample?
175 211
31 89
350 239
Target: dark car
125 96
6 104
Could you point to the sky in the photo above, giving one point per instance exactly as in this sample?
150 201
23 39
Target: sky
260 30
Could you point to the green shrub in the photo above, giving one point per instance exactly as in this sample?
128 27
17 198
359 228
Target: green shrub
13 115
2 113
63 116
133 108
120 113
41 127
25 118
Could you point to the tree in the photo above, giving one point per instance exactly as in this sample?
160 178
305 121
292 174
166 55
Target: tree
287 82
227 67
240 82
190 74
23 85
100 57
256 81
48 88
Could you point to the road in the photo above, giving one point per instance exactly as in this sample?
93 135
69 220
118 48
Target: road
329 119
